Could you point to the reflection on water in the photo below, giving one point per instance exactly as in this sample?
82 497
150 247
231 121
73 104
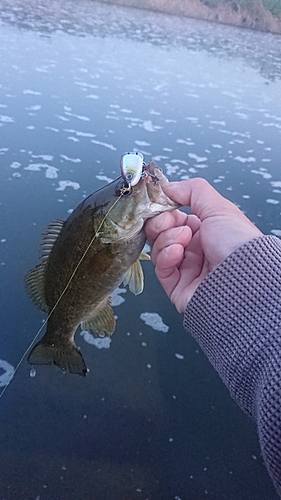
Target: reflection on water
80 85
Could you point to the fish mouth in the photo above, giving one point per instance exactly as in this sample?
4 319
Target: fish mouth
155 180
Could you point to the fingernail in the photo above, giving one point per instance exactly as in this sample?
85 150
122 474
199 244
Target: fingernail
174 232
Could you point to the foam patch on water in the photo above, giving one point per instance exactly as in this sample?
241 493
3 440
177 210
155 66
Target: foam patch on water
105 145
9 371
65 184
250 159
142 143
276 232
43 157
51 172
116 298
73 160
31 92
272 201
99 343
265 175
104 178
155 321
6 119
198 159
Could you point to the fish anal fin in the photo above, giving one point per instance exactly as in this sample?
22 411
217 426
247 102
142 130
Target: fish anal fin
34 282
134 278
144 256
48 238
65 356
102 323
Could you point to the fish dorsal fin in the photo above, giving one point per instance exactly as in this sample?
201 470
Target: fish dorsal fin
144 256
134 278
34 282
102 323
48 238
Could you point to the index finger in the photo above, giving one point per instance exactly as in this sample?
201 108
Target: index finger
162 222
201 197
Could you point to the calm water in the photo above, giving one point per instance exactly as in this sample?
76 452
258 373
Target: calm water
79 87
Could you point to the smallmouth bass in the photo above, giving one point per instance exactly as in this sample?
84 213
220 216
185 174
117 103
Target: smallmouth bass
85 258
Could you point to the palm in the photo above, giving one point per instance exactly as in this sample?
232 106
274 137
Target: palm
186 248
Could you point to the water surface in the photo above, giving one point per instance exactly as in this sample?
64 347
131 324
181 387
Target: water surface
79 87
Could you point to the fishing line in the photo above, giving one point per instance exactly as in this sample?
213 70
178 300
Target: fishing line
124 191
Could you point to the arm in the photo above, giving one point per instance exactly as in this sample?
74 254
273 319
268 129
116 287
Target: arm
219 269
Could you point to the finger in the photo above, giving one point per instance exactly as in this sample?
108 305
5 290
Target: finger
175 235
167 220
167 264
198 194
163 222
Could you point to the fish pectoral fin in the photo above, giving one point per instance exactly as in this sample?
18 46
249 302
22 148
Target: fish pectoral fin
144 256
134 278
102 323
34 282
65 356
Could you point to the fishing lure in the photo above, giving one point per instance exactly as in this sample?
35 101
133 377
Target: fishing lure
132 167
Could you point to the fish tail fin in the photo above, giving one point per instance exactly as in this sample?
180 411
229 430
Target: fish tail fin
65 356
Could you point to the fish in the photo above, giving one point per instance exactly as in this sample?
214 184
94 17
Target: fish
85 258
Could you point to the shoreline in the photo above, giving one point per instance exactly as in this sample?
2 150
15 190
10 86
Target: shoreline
254 17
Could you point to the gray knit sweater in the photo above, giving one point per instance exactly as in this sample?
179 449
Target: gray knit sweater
235 315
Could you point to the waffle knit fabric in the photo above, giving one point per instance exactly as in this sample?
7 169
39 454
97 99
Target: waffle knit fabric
235 315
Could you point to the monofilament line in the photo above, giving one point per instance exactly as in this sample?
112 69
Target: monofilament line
63 292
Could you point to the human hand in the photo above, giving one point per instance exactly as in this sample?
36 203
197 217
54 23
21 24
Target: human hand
186 248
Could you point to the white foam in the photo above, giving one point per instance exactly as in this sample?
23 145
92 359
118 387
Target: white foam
31 92
183 162
271 201
73 160
79 133
155 321
149 127
8 374
265 175
276 184
65 184
62 118
142 143
215 122
104 178
116 298
105 145
36 107
6 119
198 159
276 232
51 172
79 117
44 157
99 342
15 164
249 159
179 356
52 129
243 116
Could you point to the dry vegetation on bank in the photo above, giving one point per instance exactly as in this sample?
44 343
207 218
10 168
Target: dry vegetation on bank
263 15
